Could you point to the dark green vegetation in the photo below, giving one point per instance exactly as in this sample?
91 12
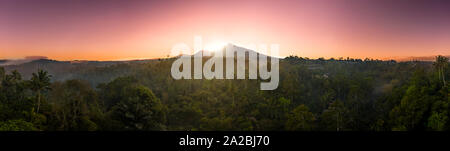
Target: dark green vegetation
325 95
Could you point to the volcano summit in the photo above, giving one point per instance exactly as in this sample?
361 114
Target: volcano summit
213 68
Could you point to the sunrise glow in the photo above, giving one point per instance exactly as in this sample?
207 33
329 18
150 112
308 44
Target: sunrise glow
215 46
116 30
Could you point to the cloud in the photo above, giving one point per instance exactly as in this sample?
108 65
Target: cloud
22 61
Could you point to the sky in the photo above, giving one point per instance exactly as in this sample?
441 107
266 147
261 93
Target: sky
139 29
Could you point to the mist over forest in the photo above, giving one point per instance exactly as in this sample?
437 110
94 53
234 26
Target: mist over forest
336 94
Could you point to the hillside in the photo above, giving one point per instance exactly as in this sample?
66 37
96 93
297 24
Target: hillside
367 94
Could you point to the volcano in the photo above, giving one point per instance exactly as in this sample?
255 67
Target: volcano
231 47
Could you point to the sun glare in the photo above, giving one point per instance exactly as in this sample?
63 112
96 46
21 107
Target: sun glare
215 46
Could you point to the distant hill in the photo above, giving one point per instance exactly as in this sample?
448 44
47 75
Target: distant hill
7 62
233 47
104 71
78 69
417 58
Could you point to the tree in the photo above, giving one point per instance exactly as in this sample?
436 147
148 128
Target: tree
13 99
221 122
39 83
74 105
2 74
334 118
140 109
437 121
111 93
300 119
13 86
184 115
440 64
273 113
414 104
16 125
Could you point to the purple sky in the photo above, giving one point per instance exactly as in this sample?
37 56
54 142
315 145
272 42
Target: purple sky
113 29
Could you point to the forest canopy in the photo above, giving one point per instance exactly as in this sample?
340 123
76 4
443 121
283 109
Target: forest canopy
313 95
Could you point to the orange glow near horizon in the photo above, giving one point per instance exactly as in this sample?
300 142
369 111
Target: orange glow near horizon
118 30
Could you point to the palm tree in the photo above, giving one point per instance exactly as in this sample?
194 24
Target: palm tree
440 64
40 82
2 74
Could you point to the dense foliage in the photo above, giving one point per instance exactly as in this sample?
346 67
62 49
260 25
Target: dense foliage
329 95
